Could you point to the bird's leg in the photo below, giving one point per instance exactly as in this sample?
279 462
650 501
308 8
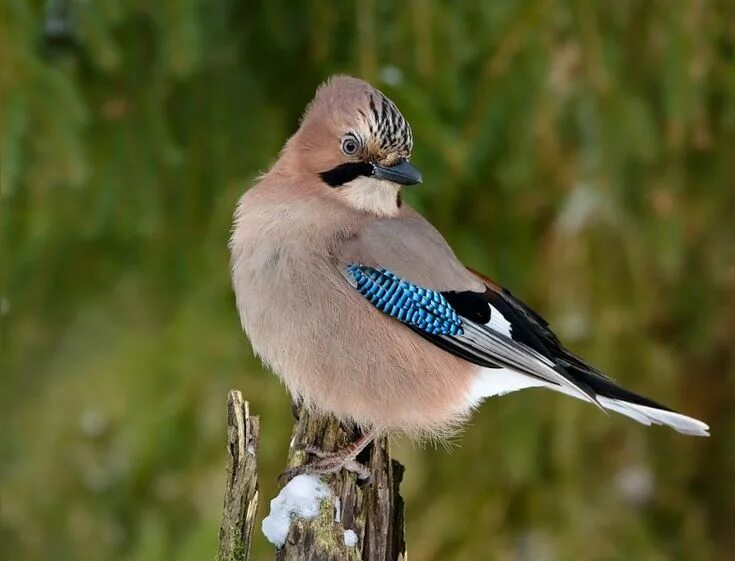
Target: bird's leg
332 462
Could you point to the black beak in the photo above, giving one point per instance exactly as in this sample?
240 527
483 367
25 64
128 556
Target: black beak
402 173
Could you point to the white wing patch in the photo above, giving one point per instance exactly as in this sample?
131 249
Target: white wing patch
499 381
498 322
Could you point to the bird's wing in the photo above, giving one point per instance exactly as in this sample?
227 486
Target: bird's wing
403 267
529 328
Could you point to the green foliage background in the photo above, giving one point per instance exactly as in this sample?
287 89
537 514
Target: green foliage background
582 153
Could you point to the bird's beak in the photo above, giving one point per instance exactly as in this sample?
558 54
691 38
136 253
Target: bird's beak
402 173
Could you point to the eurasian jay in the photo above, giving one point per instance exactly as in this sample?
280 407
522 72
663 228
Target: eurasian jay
362 308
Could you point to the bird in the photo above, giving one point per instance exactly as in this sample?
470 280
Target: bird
362 308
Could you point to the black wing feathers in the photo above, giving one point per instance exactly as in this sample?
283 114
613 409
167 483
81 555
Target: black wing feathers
526 337
532 330
537 327
470 305
529 328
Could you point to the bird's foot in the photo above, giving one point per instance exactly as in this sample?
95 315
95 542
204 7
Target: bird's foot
332 462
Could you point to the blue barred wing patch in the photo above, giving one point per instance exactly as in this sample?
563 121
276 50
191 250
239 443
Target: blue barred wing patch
418 307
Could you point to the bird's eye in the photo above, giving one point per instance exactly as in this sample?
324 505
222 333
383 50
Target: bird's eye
350 146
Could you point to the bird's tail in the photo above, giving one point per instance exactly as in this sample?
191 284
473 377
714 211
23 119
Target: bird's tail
607 393
644 410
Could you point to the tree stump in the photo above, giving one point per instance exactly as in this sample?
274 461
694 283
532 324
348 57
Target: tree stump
373 509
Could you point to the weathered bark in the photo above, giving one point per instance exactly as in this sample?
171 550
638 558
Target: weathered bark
241 492
373 509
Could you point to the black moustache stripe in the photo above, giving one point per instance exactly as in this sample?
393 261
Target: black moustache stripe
344 173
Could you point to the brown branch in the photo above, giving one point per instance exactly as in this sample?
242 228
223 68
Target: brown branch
372 509
241 492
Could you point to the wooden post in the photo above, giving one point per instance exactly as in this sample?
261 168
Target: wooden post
241 491
372 509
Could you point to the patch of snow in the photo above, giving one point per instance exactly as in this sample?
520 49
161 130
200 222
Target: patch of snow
350 538
300 498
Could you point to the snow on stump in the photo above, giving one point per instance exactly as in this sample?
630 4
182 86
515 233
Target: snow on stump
299 499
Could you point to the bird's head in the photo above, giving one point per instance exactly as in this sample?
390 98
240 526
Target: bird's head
357 143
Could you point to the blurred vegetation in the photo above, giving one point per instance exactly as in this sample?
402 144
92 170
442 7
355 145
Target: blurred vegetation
582 153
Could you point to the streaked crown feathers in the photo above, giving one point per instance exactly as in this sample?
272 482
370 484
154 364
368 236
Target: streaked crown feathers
354 107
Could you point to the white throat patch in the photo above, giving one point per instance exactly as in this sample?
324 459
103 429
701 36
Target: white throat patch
371 195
